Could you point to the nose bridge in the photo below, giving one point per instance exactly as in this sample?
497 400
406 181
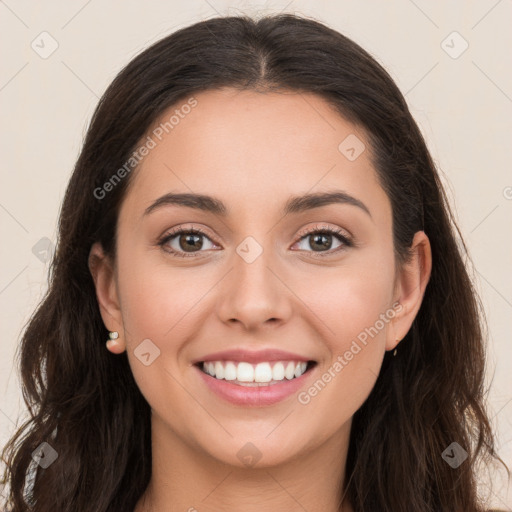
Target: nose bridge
253 294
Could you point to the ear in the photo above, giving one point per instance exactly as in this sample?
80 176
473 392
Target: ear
104 277
410 286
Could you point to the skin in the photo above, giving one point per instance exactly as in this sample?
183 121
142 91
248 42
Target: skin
253 151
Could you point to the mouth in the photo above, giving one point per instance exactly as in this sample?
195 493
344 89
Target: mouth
262 374
239 384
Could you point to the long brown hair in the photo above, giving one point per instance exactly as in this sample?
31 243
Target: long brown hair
426 398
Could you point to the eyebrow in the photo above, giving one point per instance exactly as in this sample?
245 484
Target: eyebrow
295 204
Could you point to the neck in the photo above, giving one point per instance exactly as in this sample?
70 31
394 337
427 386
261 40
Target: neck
194 481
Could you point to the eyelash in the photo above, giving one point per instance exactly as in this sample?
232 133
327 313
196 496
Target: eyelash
347 242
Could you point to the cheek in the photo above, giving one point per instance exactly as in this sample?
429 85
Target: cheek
350 300
155 297
157 303
354 307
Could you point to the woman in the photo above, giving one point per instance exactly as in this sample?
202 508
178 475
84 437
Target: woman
257 226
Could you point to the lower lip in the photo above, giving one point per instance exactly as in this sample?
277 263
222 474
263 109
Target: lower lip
254 396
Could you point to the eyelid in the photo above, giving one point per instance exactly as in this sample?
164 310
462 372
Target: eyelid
322 227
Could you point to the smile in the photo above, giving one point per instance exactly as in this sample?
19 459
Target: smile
261 374
255 385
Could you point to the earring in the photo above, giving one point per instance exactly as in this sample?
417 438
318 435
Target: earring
111 343
396 350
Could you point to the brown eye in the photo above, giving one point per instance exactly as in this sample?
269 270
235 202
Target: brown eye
190 242
185 242
321 240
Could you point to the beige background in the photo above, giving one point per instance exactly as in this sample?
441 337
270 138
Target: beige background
463 106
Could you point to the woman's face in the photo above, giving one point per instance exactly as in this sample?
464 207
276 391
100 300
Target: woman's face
256 279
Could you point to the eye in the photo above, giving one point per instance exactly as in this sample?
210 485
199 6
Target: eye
187 242
184 242
320 237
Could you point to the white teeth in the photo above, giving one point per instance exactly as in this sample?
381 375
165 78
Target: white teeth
278 371
289 373
219 370
300 369
244 372
229 371
261 373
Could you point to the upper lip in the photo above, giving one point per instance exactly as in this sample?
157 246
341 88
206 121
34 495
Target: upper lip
252 356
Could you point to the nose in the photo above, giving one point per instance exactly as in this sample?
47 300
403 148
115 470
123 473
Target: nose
254 295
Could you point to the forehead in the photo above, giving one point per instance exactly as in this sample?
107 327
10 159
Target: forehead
244 144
